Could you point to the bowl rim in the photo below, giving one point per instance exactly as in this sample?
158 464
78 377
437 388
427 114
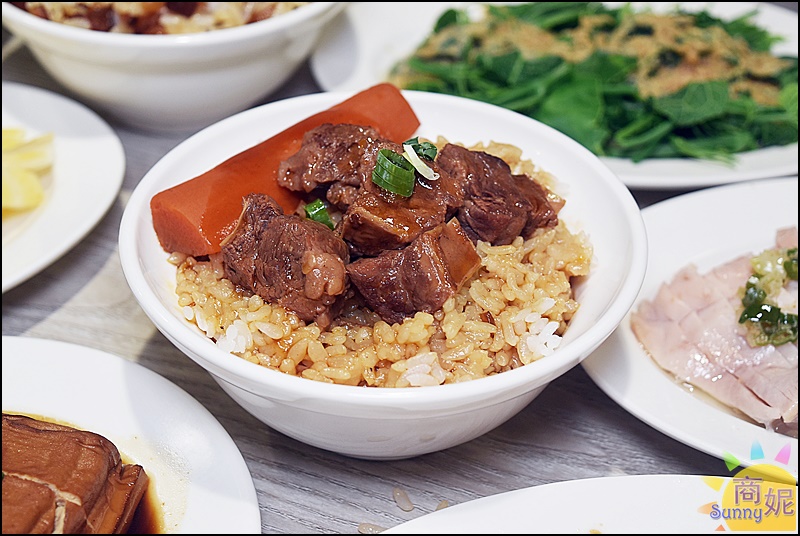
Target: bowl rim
501 386
234 35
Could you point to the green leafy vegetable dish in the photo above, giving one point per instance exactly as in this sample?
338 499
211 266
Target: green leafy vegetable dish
624 83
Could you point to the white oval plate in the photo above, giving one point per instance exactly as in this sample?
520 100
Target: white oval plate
610 505
707 228
199 474
359 47
88 168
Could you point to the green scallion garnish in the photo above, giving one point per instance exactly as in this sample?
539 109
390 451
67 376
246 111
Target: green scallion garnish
394 173
423 149
317 211
761 316
419 164
790 264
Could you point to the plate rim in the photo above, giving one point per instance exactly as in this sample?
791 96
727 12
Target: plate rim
21 348
19 262
503 501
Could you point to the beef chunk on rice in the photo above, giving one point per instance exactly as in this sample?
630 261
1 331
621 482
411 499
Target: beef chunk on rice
545 205
335 160
421 277
288 260
409 260
379 219
495 209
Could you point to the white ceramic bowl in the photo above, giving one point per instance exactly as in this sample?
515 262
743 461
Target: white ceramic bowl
173 83
385 423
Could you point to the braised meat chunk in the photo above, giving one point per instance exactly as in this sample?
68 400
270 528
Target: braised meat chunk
288 260
379 220
58 479
398 283
336 162
409 253
494 208
336 159
545 205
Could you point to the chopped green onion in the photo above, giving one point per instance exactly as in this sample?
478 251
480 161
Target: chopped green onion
772 325
790 264
317 211
418 164
424 149
763 319
394 173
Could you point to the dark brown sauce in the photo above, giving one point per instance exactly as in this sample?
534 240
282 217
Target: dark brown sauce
149 515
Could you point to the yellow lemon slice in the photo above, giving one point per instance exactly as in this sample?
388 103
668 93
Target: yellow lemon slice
24 163
12 137
22 189
35 154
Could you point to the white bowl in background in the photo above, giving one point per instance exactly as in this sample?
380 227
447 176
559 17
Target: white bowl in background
173 83
387 423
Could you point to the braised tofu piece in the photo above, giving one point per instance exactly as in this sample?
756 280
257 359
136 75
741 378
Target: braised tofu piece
57 479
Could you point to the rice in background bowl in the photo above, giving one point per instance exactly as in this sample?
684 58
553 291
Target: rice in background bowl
173 83
398 423
157 17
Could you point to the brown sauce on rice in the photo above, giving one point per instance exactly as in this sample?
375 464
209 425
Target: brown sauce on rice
512 312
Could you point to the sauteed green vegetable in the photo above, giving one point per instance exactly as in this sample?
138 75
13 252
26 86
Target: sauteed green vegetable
623 83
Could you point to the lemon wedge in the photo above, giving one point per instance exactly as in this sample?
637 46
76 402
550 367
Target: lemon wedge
25 161
12 137
22 189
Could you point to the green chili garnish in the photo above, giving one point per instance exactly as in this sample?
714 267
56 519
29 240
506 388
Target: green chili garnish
317 211
394 173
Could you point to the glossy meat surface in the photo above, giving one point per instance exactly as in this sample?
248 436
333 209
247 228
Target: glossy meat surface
57 479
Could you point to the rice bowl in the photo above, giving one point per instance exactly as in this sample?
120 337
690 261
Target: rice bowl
398 423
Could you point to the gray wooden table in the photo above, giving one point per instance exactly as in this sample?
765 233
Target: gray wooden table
571 431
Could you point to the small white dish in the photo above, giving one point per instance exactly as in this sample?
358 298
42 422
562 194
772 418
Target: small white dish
87 173
354 52
707 228
636 504
199 474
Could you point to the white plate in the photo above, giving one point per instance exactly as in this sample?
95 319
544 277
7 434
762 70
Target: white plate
707 228
88 168
199 474
359 47
611 505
